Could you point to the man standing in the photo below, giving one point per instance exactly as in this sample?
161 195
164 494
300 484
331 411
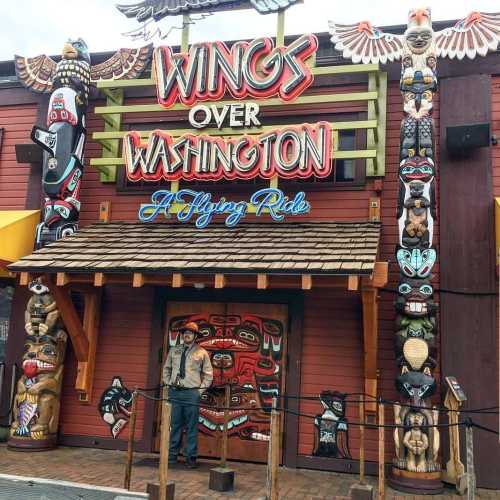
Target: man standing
188 373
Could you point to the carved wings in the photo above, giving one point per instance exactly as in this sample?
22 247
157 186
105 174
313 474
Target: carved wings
37 73
158 9
363 43
477 34
125 64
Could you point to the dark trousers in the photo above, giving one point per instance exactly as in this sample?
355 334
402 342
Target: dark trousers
185 414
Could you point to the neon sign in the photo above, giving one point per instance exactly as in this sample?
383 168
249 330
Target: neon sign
249 69
199 205
291 152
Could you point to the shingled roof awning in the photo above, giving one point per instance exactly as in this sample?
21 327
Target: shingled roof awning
329 248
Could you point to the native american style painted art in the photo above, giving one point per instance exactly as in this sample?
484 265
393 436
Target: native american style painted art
419 48
332 437
158 9
247 354
69 81
36 405
115 406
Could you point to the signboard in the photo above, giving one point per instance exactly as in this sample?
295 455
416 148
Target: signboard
248 69
207 72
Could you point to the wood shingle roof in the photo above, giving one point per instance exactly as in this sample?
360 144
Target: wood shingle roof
339 248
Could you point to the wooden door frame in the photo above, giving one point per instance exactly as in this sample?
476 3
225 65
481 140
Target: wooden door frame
294 299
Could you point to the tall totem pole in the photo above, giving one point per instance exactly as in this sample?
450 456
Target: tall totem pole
416 467
36 406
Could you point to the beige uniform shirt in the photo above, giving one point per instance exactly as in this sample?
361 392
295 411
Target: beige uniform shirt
199 373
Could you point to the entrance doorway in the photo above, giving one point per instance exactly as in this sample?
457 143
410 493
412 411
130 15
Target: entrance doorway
247 345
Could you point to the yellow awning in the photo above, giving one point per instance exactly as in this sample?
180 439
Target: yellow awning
17 235
497 228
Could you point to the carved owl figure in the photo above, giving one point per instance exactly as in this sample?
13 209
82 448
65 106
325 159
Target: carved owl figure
74 70
477 34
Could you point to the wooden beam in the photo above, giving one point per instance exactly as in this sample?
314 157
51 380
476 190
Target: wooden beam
70 319
220 281
370 337
306 282
62 279
177 280
105 211
24 279
86 369
353 283
138 280
99 279
261 281
380 275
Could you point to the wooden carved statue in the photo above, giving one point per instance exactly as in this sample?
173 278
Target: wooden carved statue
36 406
332 427
416 466
69 81
158 9
36 409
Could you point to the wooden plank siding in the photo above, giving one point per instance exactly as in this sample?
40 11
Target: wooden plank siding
495 130
122 350
17 122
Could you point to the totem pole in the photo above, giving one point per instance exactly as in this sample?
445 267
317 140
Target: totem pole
36 406
416 467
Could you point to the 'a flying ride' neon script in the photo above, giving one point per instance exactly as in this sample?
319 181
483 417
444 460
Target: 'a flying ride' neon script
199 205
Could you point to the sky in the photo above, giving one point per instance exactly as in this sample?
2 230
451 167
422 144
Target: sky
33 27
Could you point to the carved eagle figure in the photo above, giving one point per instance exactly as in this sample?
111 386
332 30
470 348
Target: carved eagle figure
43 74
158 9
477 34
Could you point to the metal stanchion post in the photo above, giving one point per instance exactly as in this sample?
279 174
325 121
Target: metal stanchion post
131 439
471 476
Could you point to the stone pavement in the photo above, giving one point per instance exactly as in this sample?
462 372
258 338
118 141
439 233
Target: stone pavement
106 468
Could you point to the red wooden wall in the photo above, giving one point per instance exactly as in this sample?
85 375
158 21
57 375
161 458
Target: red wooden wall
17 122
123 350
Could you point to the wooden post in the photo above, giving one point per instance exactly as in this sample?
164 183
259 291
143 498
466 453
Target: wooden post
166 414
131 436
227 402
273 454
381 452
471 476
362 439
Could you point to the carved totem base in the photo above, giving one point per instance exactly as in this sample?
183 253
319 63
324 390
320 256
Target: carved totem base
417 483
28 444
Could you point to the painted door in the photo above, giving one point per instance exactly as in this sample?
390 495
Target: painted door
247 347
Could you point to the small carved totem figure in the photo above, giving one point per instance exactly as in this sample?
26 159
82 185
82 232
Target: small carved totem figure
332 427
36 406
115 405
417 444
69 82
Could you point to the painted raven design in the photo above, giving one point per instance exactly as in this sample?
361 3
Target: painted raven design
158 9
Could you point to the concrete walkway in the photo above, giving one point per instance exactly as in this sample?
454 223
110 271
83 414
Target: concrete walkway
106 468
